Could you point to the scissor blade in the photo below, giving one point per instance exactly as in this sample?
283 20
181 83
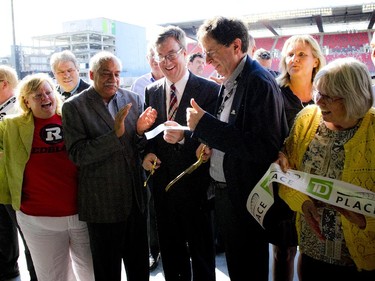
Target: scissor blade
189 170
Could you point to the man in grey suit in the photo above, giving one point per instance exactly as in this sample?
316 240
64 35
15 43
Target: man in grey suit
101 126
183 212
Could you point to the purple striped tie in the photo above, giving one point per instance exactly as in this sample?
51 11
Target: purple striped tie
172 104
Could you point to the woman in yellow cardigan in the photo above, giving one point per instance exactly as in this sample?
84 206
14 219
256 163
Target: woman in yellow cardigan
335 139
40 182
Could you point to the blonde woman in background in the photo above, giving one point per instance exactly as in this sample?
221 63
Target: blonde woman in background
301 58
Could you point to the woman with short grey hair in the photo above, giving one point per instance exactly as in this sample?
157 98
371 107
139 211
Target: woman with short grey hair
335 139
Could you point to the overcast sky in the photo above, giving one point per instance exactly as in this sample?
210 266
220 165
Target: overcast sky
41 17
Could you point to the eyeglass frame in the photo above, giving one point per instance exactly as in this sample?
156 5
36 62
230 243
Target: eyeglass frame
211 54
69 71
170 56
327 99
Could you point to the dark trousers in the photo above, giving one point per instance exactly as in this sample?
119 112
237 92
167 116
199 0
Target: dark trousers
245 242
312 270
185 237
153 238
9 248
112 243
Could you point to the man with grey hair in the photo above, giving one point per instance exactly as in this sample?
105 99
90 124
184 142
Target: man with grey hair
155 73
102 126
65 68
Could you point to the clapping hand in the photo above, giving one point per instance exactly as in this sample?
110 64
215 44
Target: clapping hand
146 120
120 120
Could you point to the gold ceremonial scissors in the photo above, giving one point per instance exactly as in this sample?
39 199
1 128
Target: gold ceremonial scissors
189 170
151 172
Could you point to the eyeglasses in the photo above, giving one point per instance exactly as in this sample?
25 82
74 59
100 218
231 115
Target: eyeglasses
38 97
325 98
171 56
211 54
65 72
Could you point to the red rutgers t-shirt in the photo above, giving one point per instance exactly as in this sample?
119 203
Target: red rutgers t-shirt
50 178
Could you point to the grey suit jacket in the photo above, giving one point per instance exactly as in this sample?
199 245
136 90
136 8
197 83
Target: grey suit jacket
110 172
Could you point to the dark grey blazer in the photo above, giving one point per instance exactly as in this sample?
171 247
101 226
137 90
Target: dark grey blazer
109 167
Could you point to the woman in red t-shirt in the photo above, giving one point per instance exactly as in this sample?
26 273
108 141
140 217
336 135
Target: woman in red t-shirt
41 184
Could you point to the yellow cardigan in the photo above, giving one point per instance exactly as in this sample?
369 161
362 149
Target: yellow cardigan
16 137
359 169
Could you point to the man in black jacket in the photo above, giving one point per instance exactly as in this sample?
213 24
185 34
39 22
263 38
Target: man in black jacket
245 135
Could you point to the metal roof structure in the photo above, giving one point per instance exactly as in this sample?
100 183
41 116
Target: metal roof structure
313 21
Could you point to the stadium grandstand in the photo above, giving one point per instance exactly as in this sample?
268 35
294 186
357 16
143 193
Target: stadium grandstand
342 31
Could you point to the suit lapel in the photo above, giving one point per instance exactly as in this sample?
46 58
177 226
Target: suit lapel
161 100
240 91
122 100
219 99
185 102
190 91
96 102
236 103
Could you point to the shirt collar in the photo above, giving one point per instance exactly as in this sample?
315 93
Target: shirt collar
72 92
231 81
181 84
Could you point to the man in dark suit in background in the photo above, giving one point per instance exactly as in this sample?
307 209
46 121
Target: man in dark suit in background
101 126
183 214
65 68
139 87
246 134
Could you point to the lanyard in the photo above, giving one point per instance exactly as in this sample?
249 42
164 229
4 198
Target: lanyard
226 97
